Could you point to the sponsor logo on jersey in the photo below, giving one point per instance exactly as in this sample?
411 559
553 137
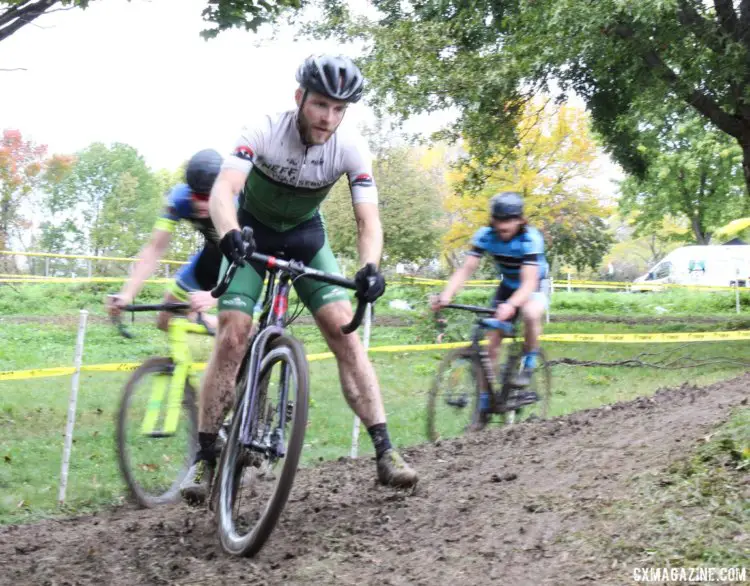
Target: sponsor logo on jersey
244 152
363 180
234 302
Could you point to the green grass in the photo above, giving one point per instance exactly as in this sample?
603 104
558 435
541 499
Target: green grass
695 513
67 299
33 412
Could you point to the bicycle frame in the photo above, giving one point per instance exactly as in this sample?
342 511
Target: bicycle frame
271 325
497 395
183 370
170 386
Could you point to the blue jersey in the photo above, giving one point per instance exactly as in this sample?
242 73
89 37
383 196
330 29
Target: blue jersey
525 248
180 207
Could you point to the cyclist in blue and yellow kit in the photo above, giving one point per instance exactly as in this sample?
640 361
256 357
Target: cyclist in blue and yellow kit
187 201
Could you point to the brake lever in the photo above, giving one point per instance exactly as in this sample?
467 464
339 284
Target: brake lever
441 324
201 322
117 322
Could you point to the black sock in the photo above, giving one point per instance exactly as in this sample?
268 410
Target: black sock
380 439
207 450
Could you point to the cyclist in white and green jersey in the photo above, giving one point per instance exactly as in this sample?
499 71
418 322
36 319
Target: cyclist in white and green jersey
284 166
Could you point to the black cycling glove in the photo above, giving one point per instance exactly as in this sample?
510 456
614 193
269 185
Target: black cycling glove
236 248
370 283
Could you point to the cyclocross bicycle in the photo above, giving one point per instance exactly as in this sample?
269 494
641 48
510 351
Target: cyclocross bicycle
267 431
157 421
453 402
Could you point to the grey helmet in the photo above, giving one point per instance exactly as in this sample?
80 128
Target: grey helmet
508 204
336 77
202 170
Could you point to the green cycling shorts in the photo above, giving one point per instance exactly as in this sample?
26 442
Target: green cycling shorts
307 243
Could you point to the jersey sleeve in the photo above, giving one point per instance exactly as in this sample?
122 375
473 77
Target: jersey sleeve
248 146
178 200
358 168
533 247
478 243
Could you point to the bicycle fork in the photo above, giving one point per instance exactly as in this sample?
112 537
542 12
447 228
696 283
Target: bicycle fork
172 386
272 442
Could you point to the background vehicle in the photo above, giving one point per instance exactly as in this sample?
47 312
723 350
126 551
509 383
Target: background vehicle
718 266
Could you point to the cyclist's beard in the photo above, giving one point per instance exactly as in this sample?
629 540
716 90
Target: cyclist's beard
305 131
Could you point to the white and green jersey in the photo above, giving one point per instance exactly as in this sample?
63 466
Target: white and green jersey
287 180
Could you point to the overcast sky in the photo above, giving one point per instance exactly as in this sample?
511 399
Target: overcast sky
138 72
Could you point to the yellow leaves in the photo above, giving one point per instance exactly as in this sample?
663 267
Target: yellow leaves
549 166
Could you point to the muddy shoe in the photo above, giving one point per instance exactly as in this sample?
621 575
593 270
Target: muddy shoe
523 378
393 471
195 487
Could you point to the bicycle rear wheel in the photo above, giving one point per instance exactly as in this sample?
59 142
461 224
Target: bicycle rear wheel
541 384
153 464
254 482
453 401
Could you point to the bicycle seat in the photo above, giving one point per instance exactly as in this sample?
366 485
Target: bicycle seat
492 323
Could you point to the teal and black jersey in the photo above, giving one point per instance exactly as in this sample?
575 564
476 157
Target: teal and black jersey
526 248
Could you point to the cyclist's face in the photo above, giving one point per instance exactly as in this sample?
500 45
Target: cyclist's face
200 205
506 229
319 116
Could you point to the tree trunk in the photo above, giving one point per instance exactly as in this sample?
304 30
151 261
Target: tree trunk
701 237
745 144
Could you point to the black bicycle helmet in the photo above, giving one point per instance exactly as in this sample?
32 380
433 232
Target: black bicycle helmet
334 76
508 204
202 170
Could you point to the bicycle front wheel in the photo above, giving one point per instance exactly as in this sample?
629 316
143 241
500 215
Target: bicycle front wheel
453 401
254 481
155 443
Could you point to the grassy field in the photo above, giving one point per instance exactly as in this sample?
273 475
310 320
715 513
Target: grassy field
33 412
67 299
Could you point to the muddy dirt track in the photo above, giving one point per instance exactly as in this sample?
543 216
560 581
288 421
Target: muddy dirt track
498 507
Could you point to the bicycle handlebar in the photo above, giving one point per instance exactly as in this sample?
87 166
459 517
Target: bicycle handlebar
296 269
472 308
171 307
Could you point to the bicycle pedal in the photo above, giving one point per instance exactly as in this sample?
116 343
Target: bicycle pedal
460 402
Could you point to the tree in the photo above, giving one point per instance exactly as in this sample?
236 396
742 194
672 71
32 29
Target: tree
21 165
219 14
632 255
695 174
409 197
108 200
549 166
623 57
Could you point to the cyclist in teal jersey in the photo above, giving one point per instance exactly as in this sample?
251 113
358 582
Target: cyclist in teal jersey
518 252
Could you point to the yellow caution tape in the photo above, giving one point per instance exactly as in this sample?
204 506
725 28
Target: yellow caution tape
36 373
84 256
579 338
650 338
58 280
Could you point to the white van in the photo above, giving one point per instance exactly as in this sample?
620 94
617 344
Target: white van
702 265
